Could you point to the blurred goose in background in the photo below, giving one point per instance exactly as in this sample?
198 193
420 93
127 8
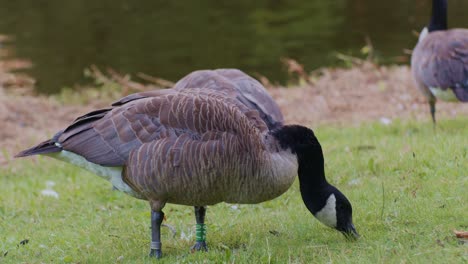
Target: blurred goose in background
440 60
217 136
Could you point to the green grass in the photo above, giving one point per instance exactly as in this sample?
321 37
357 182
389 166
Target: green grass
407 183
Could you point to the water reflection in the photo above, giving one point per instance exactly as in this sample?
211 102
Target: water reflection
171 38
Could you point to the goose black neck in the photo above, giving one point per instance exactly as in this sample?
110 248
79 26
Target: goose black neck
311 170
439 15
313 184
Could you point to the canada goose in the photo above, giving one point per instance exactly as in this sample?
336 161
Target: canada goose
440 60
225 142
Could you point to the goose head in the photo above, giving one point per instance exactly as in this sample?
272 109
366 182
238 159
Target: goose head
335 211
328 204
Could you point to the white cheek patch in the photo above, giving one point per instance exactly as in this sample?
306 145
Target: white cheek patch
328 213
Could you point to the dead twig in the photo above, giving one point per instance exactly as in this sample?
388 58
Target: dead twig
158 81
173 230
295 68
461 234
352 59
126 82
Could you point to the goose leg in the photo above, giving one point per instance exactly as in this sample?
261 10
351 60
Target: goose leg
156 220
200 244
432 102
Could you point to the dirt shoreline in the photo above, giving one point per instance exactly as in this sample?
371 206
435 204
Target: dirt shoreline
335 96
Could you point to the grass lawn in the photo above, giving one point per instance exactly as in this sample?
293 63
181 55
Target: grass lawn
407 183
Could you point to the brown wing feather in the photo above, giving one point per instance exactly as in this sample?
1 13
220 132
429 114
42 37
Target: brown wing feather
162 169
233 83
137 96
107 138
441 60
241 86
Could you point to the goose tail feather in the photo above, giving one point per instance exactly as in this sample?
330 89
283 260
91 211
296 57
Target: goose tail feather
45 147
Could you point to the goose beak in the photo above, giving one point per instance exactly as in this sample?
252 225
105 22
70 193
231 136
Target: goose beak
350 232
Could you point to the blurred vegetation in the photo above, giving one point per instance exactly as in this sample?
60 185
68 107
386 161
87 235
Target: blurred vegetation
172 38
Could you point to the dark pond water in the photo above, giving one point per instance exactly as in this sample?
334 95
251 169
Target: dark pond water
171 38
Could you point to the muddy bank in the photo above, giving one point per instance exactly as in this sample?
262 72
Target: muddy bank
362 93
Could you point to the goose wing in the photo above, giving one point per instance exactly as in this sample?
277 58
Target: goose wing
108 136
441 60
244 88
217 156
234 83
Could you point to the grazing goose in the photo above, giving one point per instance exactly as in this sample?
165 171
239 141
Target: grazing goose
223 141
440 60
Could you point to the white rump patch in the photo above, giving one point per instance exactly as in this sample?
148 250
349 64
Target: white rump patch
328 213
112 174
445 95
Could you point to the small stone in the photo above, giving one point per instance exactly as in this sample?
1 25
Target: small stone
385 120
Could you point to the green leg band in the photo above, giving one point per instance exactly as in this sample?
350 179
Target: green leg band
200 233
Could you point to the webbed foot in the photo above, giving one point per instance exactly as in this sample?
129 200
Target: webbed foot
155 253
199 246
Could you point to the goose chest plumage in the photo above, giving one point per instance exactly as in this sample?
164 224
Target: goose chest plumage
217 136
439 62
